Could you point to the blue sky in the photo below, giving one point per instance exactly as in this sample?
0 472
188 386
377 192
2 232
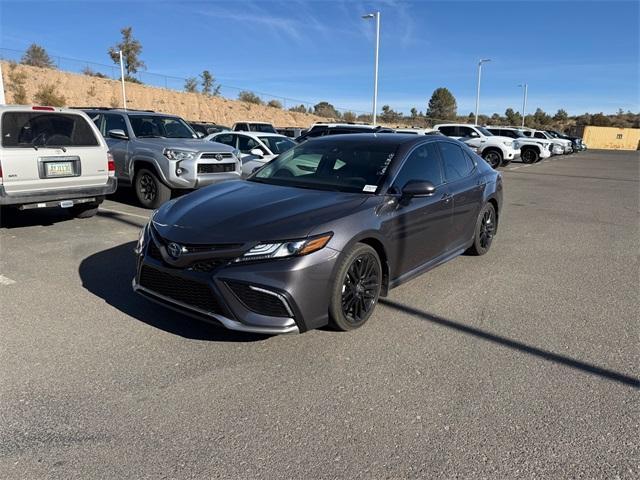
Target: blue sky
577 55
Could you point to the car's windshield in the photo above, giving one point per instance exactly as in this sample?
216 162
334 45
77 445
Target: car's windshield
150 126
278 145
484 131
551 133
262 127
345 166
518 133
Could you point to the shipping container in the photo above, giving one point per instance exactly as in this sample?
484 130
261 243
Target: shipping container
612 138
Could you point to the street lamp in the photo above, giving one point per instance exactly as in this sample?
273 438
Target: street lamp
484 60
524 100
375 16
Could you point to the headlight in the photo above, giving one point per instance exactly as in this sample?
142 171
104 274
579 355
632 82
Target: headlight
174 154
141 239
236 152
293 248
516 145
508 144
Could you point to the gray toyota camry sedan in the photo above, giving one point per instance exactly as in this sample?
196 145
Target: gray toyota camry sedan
318 234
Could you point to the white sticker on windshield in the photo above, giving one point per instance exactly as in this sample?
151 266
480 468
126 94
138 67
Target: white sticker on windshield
370 188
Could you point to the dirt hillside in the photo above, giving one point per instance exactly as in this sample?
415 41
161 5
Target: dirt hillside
83 90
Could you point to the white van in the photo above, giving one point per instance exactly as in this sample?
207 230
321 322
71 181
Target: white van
53 157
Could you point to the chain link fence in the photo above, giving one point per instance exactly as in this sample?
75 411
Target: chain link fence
112 71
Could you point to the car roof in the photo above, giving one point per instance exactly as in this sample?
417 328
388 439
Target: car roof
253 134
379 138
344 125
38 108
252 121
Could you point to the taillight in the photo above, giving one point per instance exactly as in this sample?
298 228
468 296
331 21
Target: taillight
111 165
0 173
48 109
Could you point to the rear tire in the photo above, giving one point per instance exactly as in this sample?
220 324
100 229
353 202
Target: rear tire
493 158
85 210
356 288
150 191
486 225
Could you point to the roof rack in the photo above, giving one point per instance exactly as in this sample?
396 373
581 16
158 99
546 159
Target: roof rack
112 108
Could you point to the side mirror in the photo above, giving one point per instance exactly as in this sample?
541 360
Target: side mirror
256 152
474 135
118 133
200 135
418 188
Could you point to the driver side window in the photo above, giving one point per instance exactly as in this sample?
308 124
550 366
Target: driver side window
422 164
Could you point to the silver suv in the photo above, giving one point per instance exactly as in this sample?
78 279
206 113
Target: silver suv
158 153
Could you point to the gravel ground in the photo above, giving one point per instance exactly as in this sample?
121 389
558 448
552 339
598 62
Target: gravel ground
519 364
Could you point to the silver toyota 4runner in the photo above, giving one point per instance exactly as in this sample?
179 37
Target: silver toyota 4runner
157 153
52 158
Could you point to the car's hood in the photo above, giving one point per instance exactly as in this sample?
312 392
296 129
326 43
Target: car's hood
499 139
194 144
242 211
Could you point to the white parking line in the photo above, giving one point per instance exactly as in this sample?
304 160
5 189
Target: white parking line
6 280
120 212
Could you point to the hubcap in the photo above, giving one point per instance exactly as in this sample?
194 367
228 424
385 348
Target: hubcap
487 228
148 188
360 288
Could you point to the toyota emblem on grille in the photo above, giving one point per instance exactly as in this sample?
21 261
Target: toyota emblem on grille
218 156
175 250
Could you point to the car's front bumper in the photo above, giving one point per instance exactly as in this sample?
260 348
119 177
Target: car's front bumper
242 296
511 153
52 196
557 149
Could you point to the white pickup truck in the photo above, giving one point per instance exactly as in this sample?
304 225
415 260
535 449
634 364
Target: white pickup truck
531 149
560 145
53 157
497 151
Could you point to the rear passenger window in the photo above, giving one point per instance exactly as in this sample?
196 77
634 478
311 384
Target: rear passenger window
422 164
456 164
29 129
246 144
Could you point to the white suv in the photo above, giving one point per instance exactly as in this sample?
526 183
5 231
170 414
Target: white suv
53 157
560 145
531 149
495 150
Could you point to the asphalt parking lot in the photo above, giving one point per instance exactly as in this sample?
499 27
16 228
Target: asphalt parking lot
519 364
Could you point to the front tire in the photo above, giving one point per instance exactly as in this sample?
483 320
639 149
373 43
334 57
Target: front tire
150 191
356 288
493 158
486 225
530 155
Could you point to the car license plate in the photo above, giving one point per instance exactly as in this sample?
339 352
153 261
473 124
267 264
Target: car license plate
59 169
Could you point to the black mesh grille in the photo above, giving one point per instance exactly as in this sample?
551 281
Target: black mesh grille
216 167
259 302
207 265
180 289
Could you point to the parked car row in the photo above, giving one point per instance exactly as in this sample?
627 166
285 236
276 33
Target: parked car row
160 154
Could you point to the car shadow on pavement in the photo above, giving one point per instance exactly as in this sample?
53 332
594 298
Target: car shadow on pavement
514 344
108 274
38 217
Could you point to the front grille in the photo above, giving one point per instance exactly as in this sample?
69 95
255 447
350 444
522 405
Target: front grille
258 301
207 265
216 155
189 292
216 167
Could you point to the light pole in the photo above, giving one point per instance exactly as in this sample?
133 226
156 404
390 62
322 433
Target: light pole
124 93
524 101
375 15
484 60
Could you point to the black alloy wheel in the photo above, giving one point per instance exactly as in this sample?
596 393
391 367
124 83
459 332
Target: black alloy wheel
151 192
486 226
529 155
356 288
